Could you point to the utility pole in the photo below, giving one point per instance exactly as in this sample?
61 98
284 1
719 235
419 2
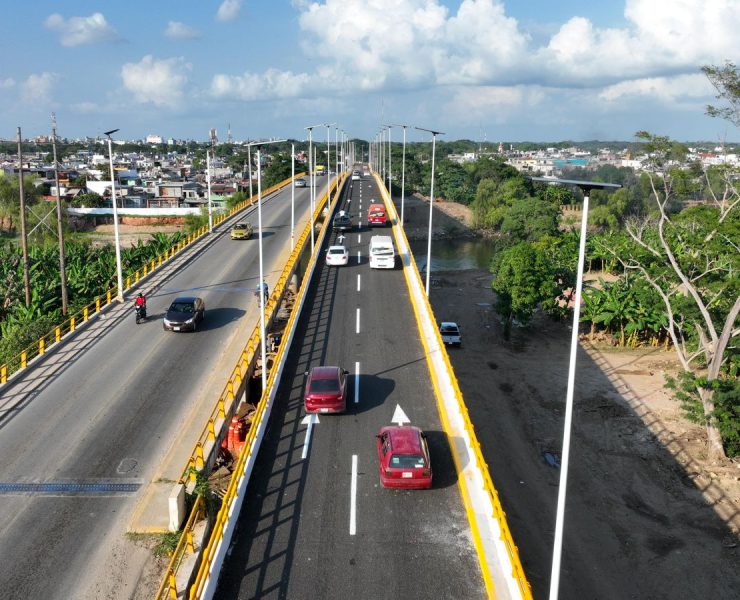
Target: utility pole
60 230
24 241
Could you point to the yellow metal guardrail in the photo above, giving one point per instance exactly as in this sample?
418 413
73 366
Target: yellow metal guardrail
20 361
197 460
185 544
498 512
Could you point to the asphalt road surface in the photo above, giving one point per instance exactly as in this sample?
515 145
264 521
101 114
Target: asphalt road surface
78 442
323 527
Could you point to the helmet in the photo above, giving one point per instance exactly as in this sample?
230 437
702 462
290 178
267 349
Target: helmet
141 295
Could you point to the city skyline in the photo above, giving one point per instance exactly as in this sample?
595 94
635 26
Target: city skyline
476 69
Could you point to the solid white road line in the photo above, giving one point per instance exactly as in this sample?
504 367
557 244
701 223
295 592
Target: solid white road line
357 383
358 282
357 323
353 498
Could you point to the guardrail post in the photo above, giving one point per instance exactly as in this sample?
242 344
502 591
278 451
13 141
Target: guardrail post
211 430
199 462
146 270
159 260
172 585
57 333
23 360
97 305
189 538
128 282
42 346
230 391
71 324
151 266
221 411
85 314
4 374
108 295
136 277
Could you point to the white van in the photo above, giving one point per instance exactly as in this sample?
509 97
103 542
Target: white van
382 254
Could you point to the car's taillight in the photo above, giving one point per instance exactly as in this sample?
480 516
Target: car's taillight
426 472
388 473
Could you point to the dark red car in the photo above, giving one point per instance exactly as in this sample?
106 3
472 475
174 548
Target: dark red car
403 457
326 390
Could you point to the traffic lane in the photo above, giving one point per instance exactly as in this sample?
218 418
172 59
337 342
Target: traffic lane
71 406
101 434
306 509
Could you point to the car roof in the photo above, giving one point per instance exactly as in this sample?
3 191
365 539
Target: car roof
324 372
377 204
185 299
342 248
405 439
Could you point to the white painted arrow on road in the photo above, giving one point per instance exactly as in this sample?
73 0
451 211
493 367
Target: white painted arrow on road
309 420
399 417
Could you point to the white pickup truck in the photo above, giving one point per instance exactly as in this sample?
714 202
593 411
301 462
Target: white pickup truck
450 333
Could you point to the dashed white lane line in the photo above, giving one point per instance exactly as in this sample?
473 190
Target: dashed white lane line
357 383
357 322
359 237
353 498
358 282
358 257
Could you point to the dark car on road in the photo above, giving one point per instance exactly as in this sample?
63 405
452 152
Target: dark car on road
184 314
342 222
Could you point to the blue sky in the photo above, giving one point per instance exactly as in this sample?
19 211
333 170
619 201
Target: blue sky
503 70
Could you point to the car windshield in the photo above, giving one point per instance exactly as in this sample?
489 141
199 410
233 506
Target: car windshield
182 307
406 461
324 385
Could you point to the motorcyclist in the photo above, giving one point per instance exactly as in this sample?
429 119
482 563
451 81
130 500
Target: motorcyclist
140 304
140 300
265 290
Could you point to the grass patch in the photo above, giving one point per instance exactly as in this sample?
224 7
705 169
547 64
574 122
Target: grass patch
161 544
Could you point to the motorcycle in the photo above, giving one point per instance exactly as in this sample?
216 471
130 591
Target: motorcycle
140 312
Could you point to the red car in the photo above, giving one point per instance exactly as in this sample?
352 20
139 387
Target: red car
403 457
326 390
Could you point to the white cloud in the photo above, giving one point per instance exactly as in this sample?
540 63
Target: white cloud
159 81
78 31
229 10
180 31
7 83
86 108
486 103
252 86
417 44
667 89
36 89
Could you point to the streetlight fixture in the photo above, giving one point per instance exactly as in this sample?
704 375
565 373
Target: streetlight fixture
119 270
403 170
263 348
312 177
390 192
431 203
586 187
212 135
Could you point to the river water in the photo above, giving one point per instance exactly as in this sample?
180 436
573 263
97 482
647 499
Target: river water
454 255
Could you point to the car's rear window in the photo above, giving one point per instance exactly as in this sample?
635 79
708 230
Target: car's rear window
324 385
336 250
377 213
183 307
406 461
449 329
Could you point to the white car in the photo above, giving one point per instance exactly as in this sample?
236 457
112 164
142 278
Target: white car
337 255
355 175
450 333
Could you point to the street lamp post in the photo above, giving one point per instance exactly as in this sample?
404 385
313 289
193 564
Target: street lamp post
431 203
390 193
263 347
403 170
119 270
292 196
586 187
312 177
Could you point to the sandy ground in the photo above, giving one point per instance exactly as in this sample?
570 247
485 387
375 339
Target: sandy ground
128 234
648 516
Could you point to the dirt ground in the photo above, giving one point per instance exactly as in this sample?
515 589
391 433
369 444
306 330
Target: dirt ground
647 515
128 234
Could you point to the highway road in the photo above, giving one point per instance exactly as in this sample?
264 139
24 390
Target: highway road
78 443
322 526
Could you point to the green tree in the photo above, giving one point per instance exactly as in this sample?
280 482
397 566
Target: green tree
531 219
691 261
522 279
